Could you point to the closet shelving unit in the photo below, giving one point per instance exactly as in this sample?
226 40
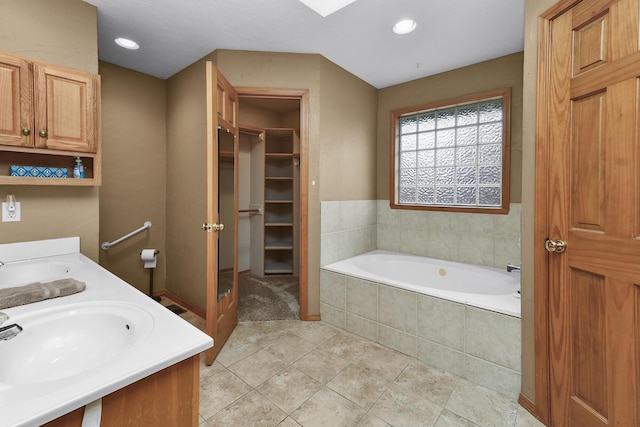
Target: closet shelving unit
279 201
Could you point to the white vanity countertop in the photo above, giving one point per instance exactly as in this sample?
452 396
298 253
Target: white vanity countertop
172 339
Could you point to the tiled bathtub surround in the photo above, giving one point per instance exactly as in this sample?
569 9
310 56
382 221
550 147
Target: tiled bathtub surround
481 239
348 228
476 344
353 227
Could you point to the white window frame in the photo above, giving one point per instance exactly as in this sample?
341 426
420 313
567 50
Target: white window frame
397 115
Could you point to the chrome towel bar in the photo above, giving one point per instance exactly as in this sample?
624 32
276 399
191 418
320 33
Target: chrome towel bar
107 245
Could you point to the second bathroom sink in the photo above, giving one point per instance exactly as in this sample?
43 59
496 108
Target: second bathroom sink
25 272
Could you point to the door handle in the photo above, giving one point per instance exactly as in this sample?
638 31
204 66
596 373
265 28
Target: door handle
211 227
557 246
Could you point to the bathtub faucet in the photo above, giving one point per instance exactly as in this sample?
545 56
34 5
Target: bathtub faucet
9 332
511 267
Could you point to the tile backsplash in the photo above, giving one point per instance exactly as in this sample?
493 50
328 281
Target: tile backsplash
352 227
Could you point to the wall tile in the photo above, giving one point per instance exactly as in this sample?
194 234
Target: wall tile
397 308
388 237
333 289
414 241
494 337
349 214
329 217
509 225
507 251
495 377
397 340
362 298
361 326
441 321
476 250
328 249
385 214
333 316
442 245
441 357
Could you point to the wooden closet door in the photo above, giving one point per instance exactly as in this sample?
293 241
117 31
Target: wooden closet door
222 114
593 205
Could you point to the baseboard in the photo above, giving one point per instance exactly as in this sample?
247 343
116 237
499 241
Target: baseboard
311 317
528 405
175 298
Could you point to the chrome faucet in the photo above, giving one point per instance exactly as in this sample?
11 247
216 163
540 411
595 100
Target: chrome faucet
511 267
8 332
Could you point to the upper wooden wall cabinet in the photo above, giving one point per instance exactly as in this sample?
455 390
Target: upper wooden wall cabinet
49 115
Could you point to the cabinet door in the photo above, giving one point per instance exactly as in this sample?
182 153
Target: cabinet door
66 109
16 99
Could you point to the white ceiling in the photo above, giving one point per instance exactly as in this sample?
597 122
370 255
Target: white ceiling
450 34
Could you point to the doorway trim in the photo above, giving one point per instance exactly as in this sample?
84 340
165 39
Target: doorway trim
541 213
303 96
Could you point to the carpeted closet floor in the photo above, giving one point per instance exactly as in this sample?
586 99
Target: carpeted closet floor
273 297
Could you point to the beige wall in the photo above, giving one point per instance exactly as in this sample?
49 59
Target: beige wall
533 9
186 184
347 137
260 117
483 77
63 32
134 172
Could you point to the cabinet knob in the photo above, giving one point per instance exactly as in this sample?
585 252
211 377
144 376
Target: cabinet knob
26 131
43 133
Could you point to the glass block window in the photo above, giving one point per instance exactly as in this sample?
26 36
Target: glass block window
453 155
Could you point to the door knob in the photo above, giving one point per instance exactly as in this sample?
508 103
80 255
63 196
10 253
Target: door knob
210 227
43 133
557 246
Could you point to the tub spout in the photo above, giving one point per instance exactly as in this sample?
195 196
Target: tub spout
511 267
8 332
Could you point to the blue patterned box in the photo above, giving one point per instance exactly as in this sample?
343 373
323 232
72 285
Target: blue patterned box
39 172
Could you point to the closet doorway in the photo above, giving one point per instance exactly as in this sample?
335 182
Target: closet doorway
272 204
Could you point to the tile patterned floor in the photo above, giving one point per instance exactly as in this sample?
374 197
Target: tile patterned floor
293 373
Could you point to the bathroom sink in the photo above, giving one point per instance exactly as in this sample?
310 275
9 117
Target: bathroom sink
25 272
71 340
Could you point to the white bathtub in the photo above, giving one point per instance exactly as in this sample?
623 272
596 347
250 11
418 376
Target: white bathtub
483 287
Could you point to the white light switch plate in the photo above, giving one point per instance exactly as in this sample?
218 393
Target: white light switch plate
10 216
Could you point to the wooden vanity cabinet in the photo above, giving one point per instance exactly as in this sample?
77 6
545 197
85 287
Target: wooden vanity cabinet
47 109
167 398
66 108
16 102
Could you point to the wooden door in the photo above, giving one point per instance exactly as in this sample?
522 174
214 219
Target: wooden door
16 102
589 113
222 133
66 109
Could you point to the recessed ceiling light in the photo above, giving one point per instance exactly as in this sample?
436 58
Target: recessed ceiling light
325 8
126 43
405 26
